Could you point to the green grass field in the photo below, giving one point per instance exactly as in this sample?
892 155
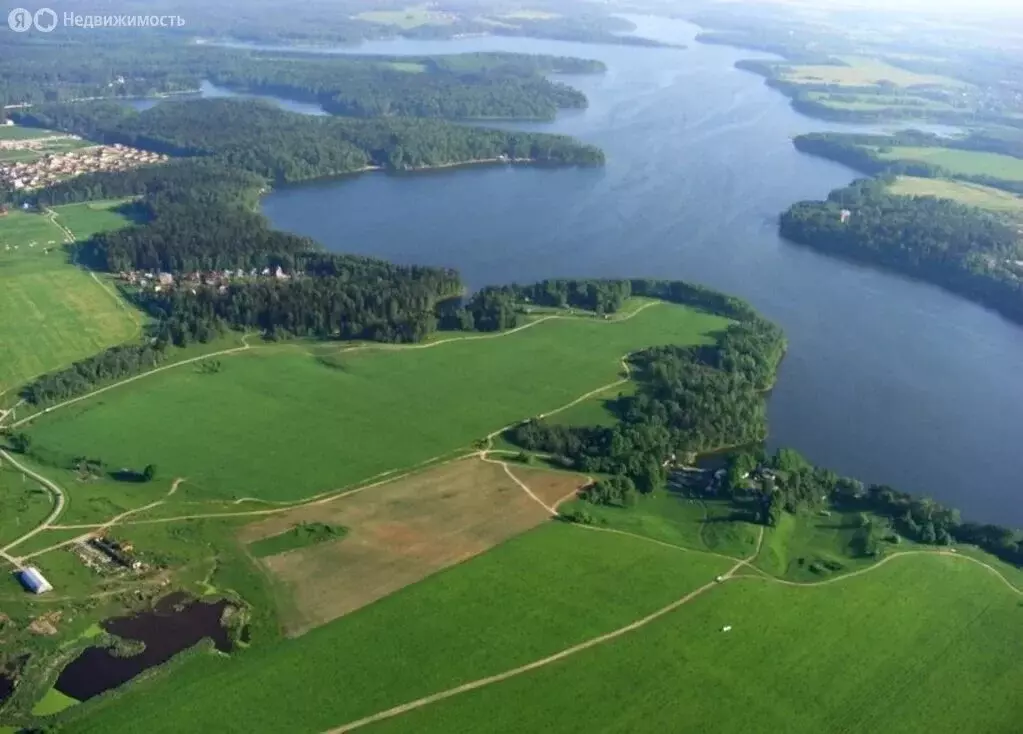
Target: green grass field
53 703
861 71
984 197
411 17
557 586
61 313
671 518
92 217
921 644
961 162
810 547
279 423
18 132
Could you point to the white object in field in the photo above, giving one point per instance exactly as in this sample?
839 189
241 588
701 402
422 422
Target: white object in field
719 579
727 628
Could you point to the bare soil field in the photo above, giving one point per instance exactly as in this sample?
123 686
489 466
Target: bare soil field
402 532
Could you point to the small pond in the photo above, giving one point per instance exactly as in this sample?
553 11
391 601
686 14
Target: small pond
175 624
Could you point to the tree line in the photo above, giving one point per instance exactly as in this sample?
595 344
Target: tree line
964 249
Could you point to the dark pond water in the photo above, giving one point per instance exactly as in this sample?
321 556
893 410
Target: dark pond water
6 687
166 631
886 379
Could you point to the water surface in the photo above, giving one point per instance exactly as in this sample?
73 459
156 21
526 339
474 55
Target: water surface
176 624
886 379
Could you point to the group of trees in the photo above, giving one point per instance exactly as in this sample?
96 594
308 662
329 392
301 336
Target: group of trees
261 138
962 248
689 399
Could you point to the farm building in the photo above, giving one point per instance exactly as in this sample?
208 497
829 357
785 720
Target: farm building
34 581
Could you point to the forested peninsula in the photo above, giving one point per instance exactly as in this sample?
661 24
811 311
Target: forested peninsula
965 249
260 138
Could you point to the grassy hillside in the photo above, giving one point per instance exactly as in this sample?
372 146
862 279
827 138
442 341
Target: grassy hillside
282 423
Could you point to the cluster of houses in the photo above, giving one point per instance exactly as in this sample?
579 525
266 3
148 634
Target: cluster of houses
55 167
219 279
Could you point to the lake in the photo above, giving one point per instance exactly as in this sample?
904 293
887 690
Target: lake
886 379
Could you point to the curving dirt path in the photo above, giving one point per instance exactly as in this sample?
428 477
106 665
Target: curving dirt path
60 500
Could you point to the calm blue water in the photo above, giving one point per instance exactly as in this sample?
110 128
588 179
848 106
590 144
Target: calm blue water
886 379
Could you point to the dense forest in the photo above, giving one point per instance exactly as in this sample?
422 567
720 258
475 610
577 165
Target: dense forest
861 152
68 65
467 86
283 146
965 249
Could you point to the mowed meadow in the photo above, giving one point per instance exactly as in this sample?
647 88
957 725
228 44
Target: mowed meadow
286 422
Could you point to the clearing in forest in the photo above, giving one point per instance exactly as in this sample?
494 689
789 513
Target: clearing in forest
280 423
971 194
402 532
860 71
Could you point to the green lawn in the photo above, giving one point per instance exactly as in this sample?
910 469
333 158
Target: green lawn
921 644
18 132
92 217
53 703
279 423
530 597
961 162
59 313
672 518
984 197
